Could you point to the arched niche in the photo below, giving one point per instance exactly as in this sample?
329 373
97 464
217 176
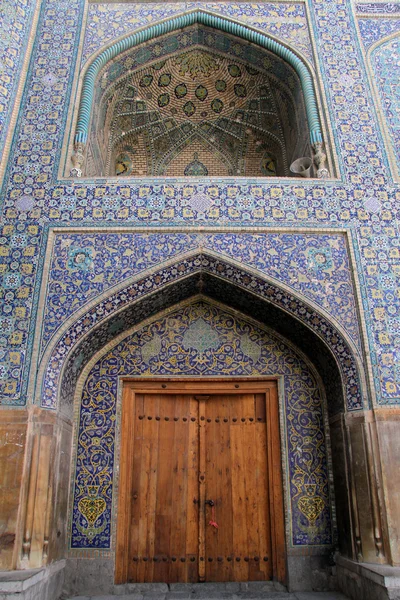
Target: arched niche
200 338
250 106
286 313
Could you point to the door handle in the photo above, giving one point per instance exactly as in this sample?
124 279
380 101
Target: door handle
210 502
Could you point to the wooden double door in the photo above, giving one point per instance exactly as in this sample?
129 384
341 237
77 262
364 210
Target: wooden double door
200 496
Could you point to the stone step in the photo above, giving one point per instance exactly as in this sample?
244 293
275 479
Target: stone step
199 591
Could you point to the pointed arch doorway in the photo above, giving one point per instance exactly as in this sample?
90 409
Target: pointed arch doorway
201 494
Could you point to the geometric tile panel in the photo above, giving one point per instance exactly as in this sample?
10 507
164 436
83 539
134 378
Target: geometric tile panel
201 340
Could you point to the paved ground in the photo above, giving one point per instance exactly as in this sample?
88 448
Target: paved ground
230 591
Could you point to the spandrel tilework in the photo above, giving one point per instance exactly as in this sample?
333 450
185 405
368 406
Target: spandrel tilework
126 306
84 266
283 20
201 339
374 30
363 200
385 61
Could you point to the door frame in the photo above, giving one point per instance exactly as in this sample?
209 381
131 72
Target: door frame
194 386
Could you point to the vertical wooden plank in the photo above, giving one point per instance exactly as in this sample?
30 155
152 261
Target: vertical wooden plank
264 524
276 488
202 487
260 408
224 516
192 526
219 489
252 499
178 533
125 486
211 533
164 489
144 491
137 428
153 441
239 495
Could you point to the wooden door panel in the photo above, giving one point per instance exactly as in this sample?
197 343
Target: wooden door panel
164 517
179 449
236 480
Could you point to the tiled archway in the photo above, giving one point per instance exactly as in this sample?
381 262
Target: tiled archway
294 317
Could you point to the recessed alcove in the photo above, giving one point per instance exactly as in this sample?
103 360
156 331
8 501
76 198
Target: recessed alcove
196 102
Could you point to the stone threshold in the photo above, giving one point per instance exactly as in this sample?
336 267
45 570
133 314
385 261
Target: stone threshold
260 590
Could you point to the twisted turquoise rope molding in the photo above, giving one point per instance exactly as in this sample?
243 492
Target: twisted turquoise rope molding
176 23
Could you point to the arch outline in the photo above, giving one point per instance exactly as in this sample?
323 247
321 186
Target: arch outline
184 20
62 354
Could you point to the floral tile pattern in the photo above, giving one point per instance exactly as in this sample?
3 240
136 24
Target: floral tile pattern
84 266
286 21
373 30
201 339
363 199
15 22
385 60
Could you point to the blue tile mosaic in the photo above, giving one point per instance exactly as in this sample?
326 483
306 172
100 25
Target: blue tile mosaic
385 61
100 323
15 22
86 265
364 199
286 21
201 340
373 30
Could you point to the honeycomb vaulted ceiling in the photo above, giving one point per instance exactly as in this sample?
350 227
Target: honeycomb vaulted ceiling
197 110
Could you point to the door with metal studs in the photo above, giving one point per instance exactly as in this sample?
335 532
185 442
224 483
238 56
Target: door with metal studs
200 484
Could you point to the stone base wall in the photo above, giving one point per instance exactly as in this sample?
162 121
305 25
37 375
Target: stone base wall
315 572
34 584
95 576
362 581
92 576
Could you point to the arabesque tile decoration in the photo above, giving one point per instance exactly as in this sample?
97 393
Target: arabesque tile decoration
117 311
85 265
201 340
15 22
380 23
286 21
364 199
